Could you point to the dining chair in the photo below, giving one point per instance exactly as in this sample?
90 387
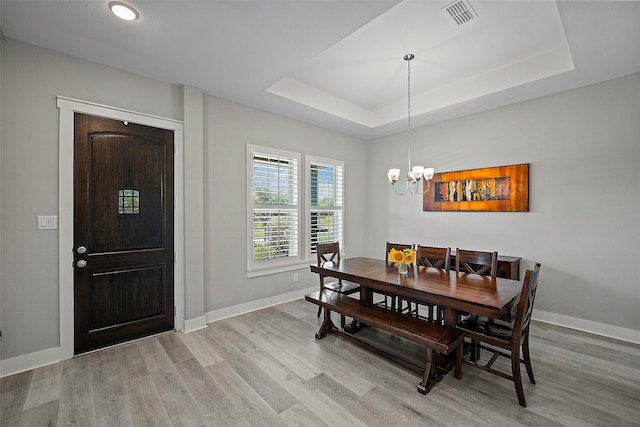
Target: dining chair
433 257
477 262
505 339
330 252
390 299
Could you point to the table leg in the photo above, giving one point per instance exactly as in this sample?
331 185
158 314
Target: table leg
450 317
366 294
450 361
355 326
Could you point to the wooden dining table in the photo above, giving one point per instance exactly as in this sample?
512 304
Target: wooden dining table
455 292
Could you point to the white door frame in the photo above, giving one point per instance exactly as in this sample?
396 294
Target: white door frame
68 107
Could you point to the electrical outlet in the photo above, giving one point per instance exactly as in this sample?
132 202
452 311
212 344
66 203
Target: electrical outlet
295 277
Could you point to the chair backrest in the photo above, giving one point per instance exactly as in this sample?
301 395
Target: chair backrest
525 304
328 252
477 262
398 247
429 256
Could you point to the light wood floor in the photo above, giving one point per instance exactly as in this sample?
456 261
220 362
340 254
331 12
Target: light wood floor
266 368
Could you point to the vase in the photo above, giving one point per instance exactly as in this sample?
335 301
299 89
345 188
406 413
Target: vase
403 268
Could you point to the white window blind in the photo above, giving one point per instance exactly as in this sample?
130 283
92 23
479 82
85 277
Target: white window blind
274 208
325 201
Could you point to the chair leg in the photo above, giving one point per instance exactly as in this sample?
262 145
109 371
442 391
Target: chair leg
527 358
473 353
400 307
517 378
321 289
435 314
458 367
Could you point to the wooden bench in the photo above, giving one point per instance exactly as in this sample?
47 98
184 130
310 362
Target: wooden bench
436 338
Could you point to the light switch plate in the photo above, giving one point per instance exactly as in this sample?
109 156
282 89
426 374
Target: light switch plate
47 222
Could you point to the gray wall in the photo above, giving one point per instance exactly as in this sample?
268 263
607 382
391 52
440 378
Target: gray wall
583 146
31 79
1 45
230 127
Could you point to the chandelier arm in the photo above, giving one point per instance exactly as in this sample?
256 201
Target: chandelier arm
414 187
403 192
425 190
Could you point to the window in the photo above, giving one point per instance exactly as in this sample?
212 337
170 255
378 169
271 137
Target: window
279 236
274 210
325 205
128 202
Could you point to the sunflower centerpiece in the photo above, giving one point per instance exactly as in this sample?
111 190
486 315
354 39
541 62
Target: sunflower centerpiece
402 259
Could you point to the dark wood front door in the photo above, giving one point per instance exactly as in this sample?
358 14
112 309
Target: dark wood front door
123 232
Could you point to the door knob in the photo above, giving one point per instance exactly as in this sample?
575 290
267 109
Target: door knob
81 250
81 264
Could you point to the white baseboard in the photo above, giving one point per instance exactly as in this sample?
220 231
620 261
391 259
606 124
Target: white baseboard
35 360
18 364
246 307
617 332
196 323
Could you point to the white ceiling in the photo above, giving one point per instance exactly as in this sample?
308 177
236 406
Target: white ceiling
338 64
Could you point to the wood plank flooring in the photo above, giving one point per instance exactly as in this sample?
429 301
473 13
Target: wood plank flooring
265 368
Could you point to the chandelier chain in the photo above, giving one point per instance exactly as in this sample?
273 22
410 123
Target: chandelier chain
409 109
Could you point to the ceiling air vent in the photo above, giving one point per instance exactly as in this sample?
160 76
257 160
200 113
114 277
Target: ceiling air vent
460 11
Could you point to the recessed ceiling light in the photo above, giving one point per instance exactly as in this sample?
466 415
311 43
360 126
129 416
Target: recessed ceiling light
123 11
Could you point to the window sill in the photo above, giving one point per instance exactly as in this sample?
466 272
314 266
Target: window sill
257 272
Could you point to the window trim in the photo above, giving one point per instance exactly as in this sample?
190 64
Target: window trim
324 161
259 268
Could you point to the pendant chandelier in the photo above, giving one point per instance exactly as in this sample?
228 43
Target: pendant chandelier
415 174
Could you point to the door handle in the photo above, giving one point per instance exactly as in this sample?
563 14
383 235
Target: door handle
81 250
81 264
